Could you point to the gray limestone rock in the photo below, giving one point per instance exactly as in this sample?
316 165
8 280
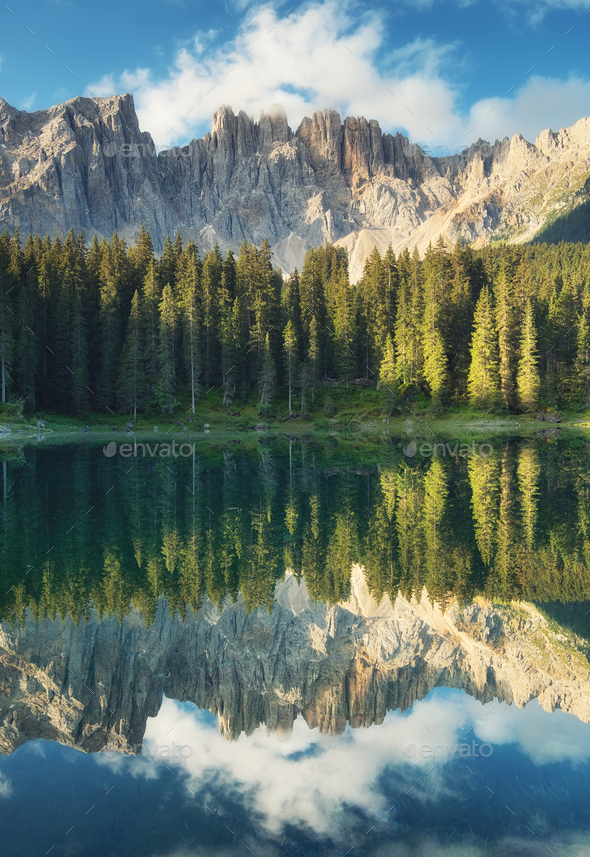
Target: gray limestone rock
86 165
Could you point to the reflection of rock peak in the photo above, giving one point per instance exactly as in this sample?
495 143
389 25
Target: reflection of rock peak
96 684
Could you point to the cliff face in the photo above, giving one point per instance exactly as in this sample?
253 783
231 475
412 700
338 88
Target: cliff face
86 165
94 686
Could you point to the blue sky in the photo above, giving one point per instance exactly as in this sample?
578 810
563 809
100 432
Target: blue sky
445 72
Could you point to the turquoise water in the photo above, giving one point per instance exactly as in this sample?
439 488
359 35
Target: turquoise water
192 661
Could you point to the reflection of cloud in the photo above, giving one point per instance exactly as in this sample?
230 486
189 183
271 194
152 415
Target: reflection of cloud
311 778
5 787
543 737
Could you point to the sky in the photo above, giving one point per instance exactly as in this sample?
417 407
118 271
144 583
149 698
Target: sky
306 779
443 72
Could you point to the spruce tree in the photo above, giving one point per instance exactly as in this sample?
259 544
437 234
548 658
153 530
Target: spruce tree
210 284
6 335
313 355
290 352
266 383
505 325
344 330
110 336
483 383
227 332
527 378
165 387
435 361
582 363
190 321
150 304
388 376
131 374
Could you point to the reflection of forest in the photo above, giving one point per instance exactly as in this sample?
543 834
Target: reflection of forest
80 530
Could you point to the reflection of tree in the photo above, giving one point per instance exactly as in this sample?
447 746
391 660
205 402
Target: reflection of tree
484 477
79 531
528 475
506 557
410 499
382 568
313 553
435 500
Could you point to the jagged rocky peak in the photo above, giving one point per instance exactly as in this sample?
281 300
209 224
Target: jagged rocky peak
331 180
247 136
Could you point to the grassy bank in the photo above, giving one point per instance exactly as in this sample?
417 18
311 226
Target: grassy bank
353 413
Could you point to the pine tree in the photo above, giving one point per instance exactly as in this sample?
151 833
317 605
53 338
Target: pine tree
388 376
290 353
168 263
79 358
150 304
435 361
71 335
483 383
582 363
460 314
505 325
409 321
312 313
229 335
313 355
166 370
210 285
266 383
110 336
376 308
190 320
26 351
6 335
344 330
527 378
131 375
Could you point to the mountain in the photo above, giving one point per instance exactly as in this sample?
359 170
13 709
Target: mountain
572 223
86 165
92 685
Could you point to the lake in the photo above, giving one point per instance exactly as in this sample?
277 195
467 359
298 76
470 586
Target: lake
293 648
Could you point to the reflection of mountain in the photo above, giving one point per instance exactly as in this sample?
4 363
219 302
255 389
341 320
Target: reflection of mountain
95 684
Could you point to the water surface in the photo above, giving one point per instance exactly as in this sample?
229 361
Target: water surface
289 650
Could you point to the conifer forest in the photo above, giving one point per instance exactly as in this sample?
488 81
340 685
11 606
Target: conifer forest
111 326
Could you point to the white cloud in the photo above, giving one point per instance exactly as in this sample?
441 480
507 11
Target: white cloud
323 56
5 787
28 102
308 778
296 62
541 103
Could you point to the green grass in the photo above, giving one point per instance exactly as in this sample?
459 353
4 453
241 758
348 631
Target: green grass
354 413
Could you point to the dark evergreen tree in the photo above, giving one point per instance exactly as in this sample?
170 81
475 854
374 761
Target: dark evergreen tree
483 383
527 378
